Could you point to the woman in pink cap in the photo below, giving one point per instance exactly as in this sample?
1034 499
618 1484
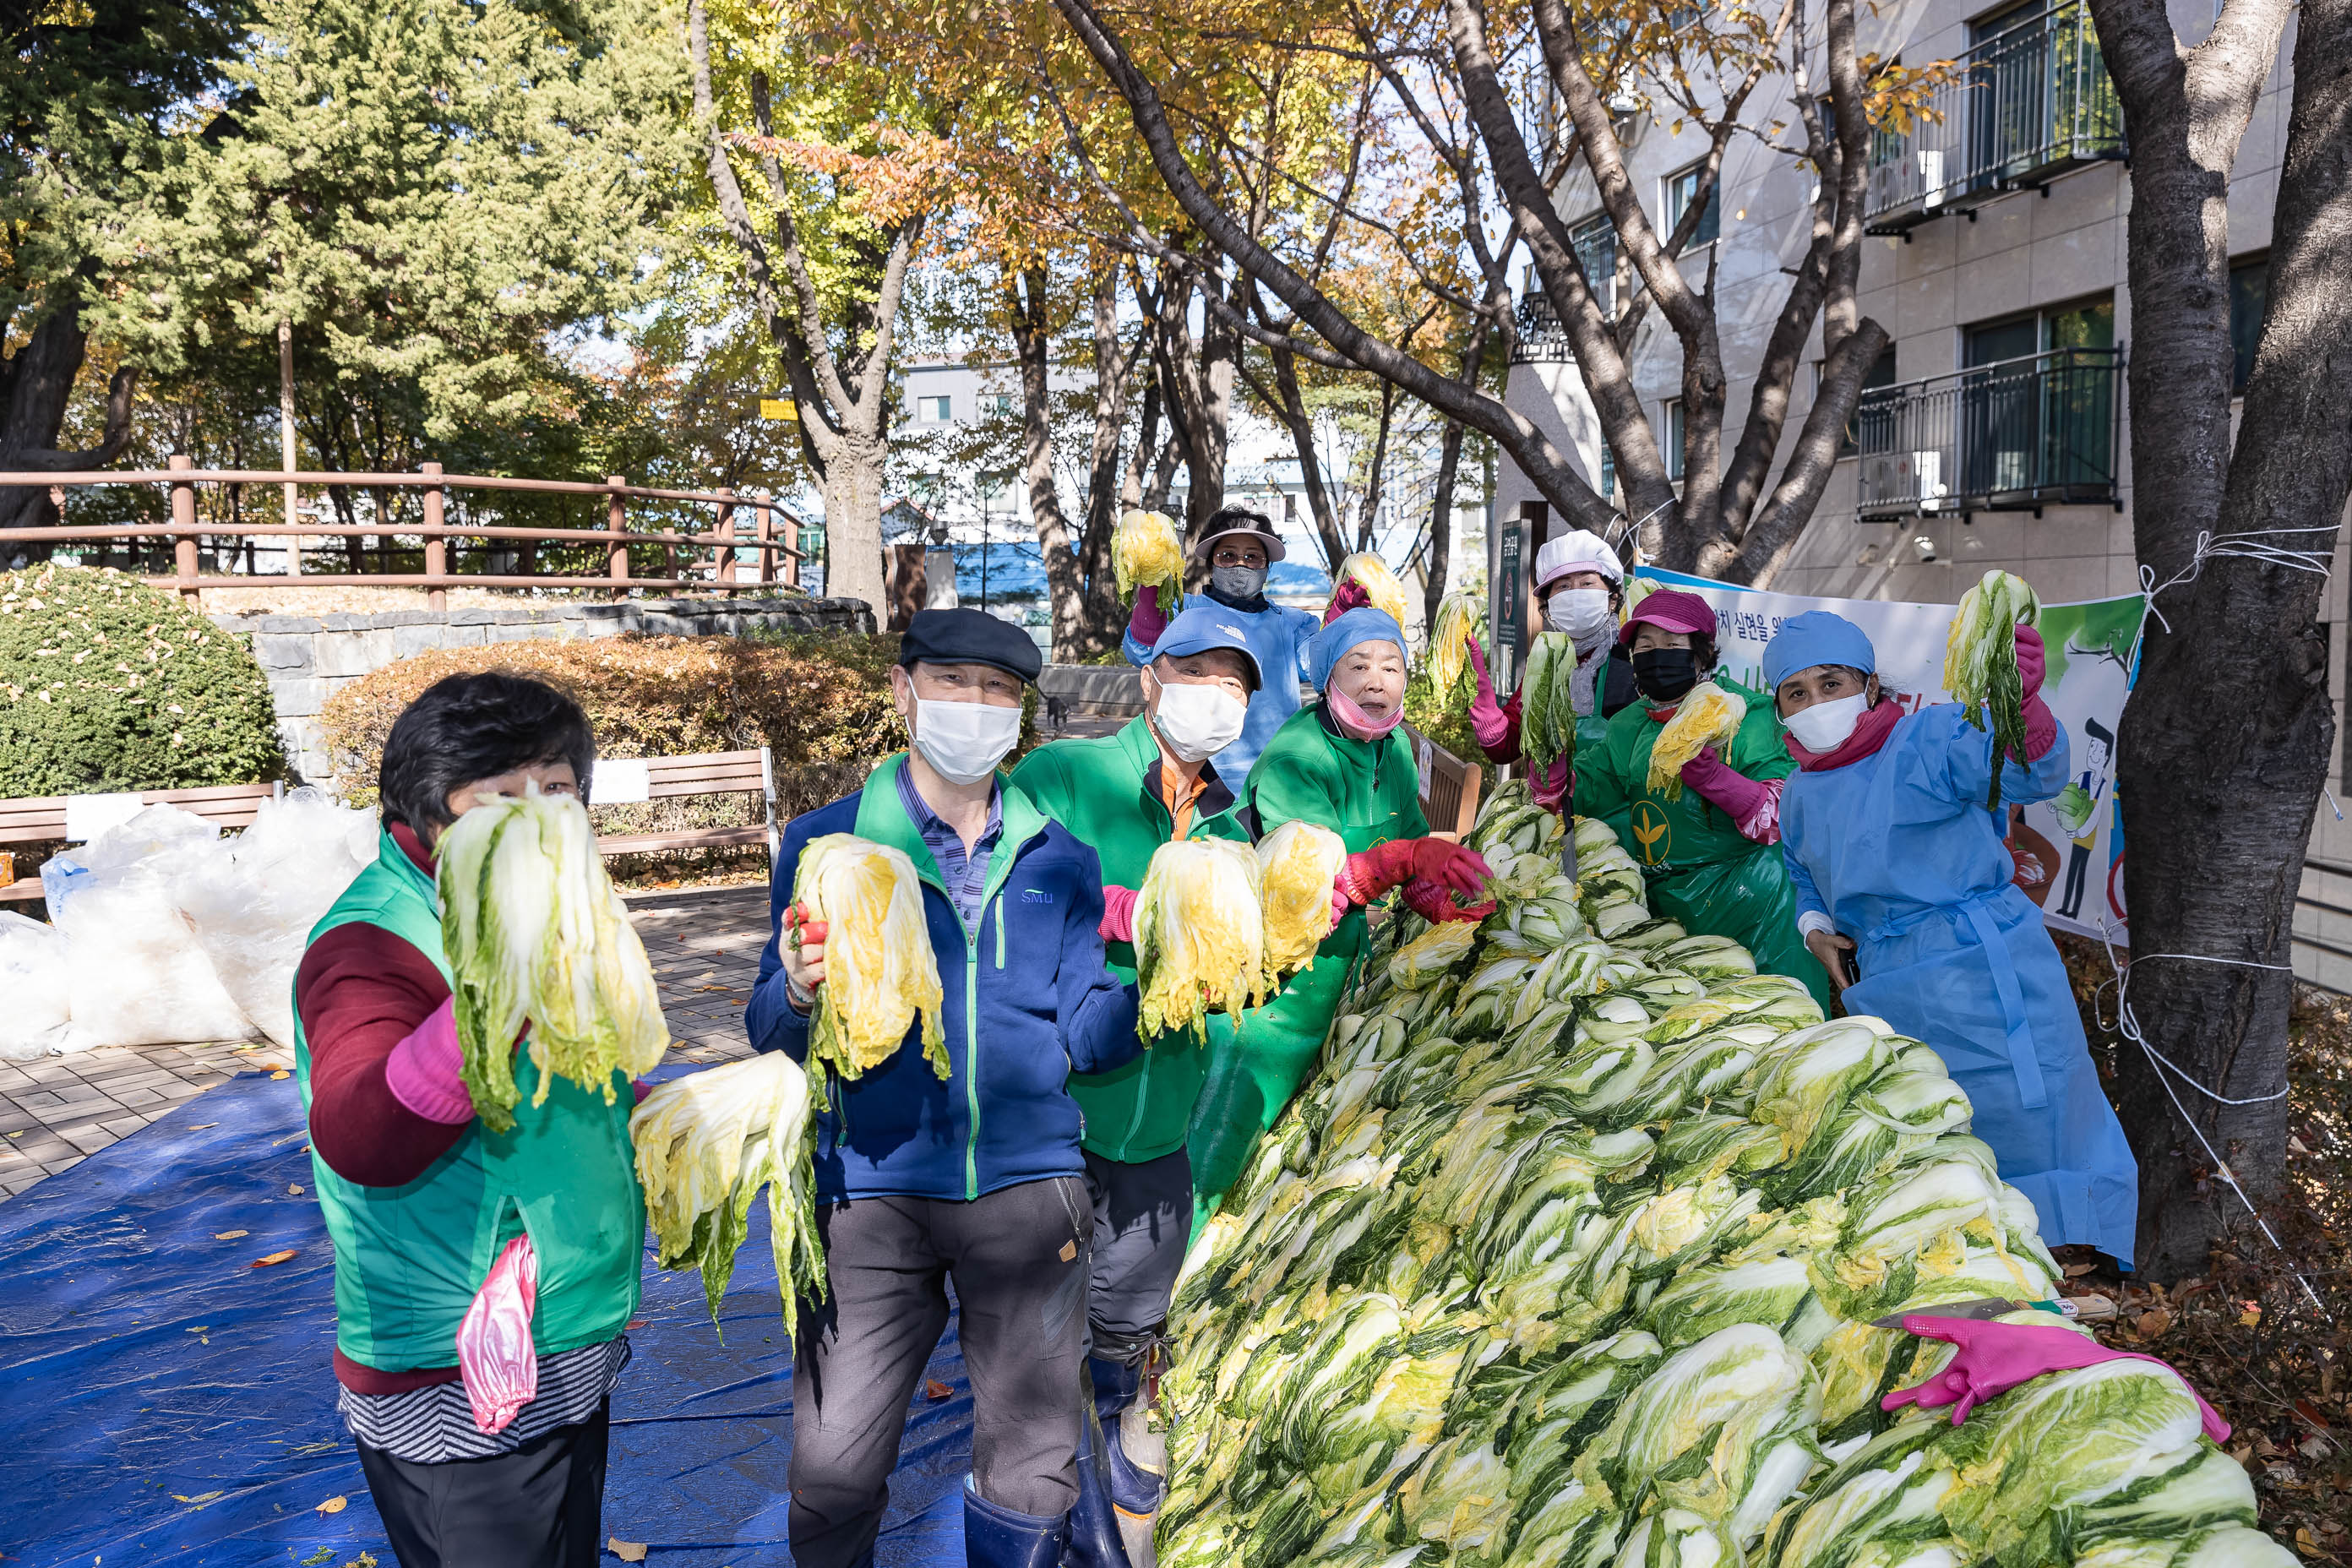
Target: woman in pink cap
1711 853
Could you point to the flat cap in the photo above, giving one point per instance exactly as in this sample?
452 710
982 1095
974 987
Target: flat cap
970 636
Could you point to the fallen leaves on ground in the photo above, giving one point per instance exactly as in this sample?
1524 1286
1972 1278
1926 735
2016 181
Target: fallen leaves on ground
229 1235
334 1505
275 1258
627 1550
934 1389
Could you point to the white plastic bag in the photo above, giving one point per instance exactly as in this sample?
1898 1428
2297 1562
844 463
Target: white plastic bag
135 974
253 914
36 1018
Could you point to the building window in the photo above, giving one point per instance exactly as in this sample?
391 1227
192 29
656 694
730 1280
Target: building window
1609 477
993 404
1680 188
934 410
1670 436
1595 241
2250 298
997 493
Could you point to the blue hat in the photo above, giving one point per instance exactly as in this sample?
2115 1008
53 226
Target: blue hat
1349 630
1817 637
1200 625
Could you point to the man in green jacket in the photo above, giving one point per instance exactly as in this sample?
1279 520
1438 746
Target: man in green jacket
1124 795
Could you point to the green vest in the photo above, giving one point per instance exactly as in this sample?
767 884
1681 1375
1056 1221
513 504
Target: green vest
408 1259
1100 790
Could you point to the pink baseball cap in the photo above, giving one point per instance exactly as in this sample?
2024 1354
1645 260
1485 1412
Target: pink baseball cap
1673 609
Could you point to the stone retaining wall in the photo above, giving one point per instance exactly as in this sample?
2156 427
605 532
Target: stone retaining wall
309 659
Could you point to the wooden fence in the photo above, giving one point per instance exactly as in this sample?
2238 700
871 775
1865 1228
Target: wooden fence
773 532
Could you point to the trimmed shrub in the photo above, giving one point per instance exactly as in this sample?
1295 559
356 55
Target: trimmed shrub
821 703
109 684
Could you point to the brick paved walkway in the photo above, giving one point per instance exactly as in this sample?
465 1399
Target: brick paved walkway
704 943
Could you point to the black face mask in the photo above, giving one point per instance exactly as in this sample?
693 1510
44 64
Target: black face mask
1663 674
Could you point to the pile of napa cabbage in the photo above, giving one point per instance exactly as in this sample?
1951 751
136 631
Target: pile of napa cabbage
1569 1259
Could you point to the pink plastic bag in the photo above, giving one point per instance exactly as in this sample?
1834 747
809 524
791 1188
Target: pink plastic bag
495 1355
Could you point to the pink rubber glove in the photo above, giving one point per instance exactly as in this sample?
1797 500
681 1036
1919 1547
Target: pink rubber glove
422 1072
1996 1357
2031 659
1433 902
1552 787
1489 723
1145 622
1348 595
496 1358
1117 923
1720 785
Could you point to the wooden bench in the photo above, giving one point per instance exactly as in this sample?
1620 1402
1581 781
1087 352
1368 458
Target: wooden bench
50 817
1449 787
624 781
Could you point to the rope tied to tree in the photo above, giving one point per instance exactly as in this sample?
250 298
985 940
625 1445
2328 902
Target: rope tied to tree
2127 1025
2250 544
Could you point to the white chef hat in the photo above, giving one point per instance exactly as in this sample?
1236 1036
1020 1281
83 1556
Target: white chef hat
1580 550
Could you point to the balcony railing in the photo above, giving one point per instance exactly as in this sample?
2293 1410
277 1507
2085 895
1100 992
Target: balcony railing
2018 434
2022 108
1542 340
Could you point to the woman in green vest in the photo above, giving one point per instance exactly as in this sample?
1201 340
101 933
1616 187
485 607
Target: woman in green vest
1339 763
421 1199
1712 850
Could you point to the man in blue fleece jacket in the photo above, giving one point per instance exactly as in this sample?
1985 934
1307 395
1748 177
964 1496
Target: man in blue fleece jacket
977 1178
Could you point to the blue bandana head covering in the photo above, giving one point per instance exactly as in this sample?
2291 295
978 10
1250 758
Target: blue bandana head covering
1817 637
1355 627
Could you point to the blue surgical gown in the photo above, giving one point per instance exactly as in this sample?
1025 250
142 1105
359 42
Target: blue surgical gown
1279 636
1900 851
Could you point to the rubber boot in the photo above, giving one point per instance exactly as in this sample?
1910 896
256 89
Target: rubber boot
997 1537
1095 1540
1138 1453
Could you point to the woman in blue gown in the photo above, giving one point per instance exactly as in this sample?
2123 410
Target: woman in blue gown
1899 866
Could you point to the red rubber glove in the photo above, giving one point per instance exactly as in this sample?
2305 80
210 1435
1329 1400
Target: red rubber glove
1433 902
1117 923
2041 724
1348 595
1996 1357
1720 785
1146 621
1489 723
1369 873
803 934
1552 787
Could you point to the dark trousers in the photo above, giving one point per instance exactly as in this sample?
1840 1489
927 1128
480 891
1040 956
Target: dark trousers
1143 1221
1017 1257
540 1506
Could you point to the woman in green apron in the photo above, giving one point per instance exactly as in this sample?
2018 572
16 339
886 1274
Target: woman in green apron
1711 853
1339 763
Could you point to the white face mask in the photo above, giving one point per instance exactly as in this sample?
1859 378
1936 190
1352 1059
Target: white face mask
1578 612
1825 726
963 742
1197 721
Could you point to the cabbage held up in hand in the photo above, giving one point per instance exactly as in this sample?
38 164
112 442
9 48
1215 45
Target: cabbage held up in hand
706 1144
1707 716
1200 935
1297 864
1458 615
535 934
1381 590
879 971
1145 552
1980 663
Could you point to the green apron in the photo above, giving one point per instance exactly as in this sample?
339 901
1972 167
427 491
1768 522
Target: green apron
1368 792
1703 872
409 1259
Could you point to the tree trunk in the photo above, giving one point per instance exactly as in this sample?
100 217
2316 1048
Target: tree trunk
1290 405
1025 301
2217 796
852 523
36 385
1099 625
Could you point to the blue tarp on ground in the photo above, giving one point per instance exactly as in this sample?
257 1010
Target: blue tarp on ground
160 1399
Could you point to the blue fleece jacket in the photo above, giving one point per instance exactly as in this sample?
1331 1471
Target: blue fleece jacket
1026 1001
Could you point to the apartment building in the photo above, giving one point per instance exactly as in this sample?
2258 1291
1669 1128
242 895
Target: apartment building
1995 431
